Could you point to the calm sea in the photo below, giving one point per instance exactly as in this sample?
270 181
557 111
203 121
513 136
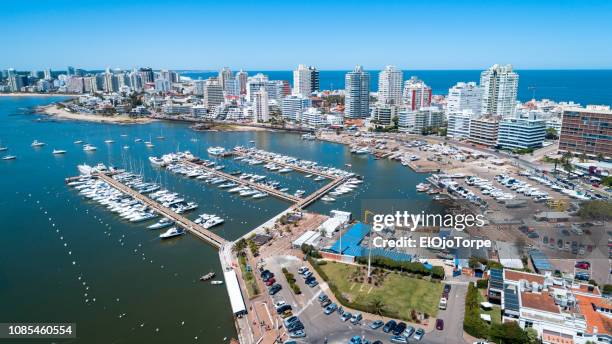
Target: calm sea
65 259
581 86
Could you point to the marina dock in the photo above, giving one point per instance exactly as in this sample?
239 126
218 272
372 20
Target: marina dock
182 221
297 168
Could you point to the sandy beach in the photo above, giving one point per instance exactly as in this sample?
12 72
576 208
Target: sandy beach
56 112
38 95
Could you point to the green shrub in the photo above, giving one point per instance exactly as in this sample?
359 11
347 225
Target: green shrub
482 283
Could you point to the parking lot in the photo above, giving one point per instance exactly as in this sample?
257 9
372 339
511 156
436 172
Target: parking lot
322 328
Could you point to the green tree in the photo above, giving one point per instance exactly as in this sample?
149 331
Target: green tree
508 333
551 134
378 305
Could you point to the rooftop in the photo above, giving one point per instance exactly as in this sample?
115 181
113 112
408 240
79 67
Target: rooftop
594 318
512 275
539 301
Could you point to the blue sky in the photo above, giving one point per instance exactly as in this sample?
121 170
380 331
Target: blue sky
277 35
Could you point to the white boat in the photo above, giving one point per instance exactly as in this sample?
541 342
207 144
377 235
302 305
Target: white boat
126 147
285 170
216 150
172 232
59 151
156 161
37 143
328 199
137 140
78 142
163 223
216 282
2 148
89 148
109 141
260 195
422 187
308 137
9 157
149 144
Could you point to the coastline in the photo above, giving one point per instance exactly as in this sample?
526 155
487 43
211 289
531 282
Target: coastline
37 95
54 111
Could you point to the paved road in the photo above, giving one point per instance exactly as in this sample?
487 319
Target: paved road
320 327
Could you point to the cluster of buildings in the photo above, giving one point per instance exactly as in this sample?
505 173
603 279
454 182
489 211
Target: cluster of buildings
559 310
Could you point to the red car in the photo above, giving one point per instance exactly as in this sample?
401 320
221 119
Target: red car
439 324
583 265
270 282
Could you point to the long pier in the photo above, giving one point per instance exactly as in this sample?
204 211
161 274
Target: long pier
184 222
297 168
260 187
304 202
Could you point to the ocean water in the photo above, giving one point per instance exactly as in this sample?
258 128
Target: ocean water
581 86
65 259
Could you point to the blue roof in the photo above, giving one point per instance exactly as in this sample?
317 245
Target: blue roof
540 261
351 245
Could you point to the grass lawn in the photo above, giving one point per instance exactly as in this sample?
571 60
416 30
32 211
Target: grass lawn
495 311
400 294
249 278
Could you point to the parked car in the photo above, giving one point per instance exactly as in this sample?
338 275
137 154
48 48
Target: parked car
270 281
330 309
297 334
345 316
419 334
307 274
376 324
399 329
283 308
439 324
279 303
275 289
389 326
286 314
302 269
313 283
355 340
399 339
295 326
447 288
326 303
408 332
356 318
291 320
583 265
323 297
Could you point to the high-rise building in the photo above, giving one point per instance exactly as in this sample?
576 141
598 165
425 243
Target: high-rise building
136 81
416 121
274 88
302 84
70 71
499 86
75 84
314 79
285 88
390 86
587 131
293 106
459 124
416 94
521 132
213 94
261 109
225 74
147 75
357 93
242 78
110 82
464 96
47 74
484 130
198 87
232 88
16 82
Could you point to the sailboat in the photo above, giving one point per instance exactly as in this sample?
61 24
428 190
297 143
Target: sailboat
161 135
149 143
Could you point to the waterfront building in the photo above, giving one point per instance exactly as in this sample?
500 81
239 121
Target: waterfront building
418 121
293 106
302 84
313 117
261 108
464 96
499 87
521 132
225 74
383 114
16 82
484 130
162 85
171 108
146 75
213 94
587 131
47 74
256 82
357 93
459 124
198 87
390 86
199 111
314 79
241 78
416 94
75 84
110 82
43 85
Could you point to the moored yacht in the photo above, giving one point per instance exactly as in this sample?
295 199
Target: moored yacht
9 157
216 150
89 148
59 151
172 232
37 143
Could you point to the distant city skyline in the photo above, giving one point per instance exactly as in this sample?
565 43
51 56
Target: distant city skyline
331 36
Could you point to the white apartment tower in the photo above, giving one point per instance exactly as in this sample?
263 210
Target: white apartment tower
261 110
499 86
357 93
224 75
464 98
302 82
416 94
390 86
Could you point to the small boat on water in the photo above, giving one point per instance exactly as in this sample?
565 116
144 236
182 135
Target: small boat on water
308 175
163 223
126 147
109 141
9 157
137 140
37 143
89 148
327 199
149 144
172 232
216 150
59 151
216 282
3 148
78 142
422 187
207 276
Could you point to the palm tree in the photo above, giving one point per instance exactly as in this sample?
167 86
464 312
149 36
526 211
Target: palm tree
378 305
